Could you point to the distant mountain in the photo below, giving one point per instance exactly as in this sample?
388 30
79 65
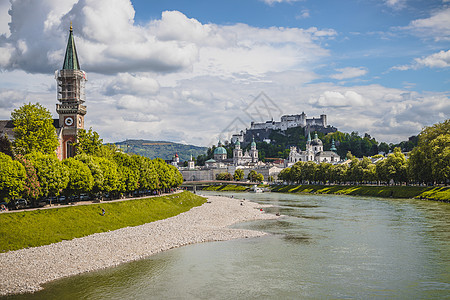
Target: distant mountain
162 149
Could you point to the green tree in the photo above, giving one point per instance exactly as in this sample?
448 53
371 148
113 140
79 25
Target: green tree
339 173
88 142
285 174
323 172
309 170
80 177
147 173
31 188
128 172
224 176
12 177
238 175
259 177
52 174
430 161
6 146
393 167
33 130
296 173
252 175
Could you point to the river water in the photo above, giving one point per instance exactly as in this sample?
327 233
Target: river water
325 247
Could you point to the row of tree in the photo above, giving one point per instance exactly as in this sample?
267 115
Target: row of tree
238 175
428 163
32 170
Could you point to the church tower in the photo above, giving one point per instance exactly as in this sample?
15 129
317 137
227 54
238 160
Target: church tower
237 153
253 151
70 93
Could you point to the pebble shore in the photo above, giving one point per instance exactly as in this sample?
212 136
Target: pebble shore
25 270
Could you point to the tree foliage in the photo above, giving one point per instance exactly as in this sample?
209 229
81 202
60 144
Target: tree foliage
12 177
6 146
238 175
33 130
224 176
88 142
429 162
52 174
80 177
32 187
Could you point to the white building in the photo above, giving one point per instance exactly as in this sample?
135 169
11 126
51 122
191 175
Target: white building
314 152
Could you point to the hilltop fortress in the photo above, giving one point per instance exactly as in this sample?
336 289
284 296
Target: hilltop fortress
261 131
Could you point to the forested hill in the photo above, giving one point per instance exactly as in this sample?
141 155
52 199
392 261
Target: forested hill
162 149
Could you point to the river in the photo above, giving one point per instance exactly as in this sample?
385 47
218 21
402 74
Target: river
324 247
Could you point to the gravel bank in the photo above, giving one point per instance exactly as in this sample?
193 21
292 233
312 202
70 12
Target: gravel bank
25 270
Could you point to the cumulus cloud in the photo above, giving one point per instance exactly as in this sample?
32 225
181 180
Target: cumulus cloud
440 59
436 26
338 99
125 83
109 42
349 72
9 97
436 60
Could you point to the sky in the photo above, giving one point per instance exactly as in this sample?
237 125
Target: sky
200 70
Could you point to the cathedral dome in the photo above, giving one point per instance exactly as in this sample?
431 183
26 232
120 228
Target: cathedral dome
220 150
316 141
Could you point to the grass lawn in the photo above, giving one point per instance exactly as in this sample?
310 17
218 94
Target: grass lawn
227 187
42 227
431 193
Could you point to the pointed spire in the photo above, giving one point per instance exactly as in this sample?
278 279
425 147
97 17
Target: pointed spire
309 137
71 57
333 147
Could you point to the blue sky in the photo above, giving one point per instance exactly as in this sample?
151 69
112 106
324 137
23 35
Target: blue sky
187 71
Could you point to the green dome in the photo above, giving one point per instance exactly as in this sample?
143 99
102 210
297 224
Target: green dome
253 144
220 150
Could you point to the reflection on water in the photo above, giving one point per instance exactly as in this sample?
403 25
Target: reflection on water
324 247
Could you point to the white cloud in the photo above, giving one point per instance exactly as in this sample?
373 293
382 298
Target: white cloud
272 2
440 59
349 72
5 18
436 60
396 4
340 99
125 83
437 26
304 14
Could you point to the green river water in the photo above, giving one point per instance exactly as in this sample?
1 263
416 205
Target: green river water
326 247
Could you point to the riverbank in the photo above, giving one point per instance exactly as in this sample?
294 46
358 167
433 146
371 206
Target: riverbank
26 270
55 224
428 193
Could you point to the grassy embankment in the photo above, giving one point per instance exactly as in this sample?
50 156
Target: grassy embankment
430 193
42 227
227 188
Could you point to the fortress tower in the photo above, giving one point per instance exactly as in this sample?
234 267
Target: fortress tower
70 93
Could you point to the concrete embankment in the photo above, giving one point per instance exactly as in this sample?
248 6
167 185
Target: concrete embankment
25 270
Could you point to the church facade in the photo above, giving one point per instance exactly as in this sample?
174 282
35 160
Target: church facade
313 152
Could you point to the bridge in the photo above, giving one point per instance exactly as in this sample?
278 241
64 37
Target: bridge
192 185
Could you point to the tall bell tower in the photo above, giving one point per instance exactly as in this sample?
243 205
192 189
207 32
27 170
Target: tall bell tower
70 93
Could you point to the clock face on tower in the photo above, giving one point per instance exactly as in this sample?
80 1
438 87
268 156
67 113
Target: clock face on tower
68 121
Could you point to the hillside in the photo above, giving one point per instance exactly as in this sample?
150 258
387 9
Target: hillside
162 149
